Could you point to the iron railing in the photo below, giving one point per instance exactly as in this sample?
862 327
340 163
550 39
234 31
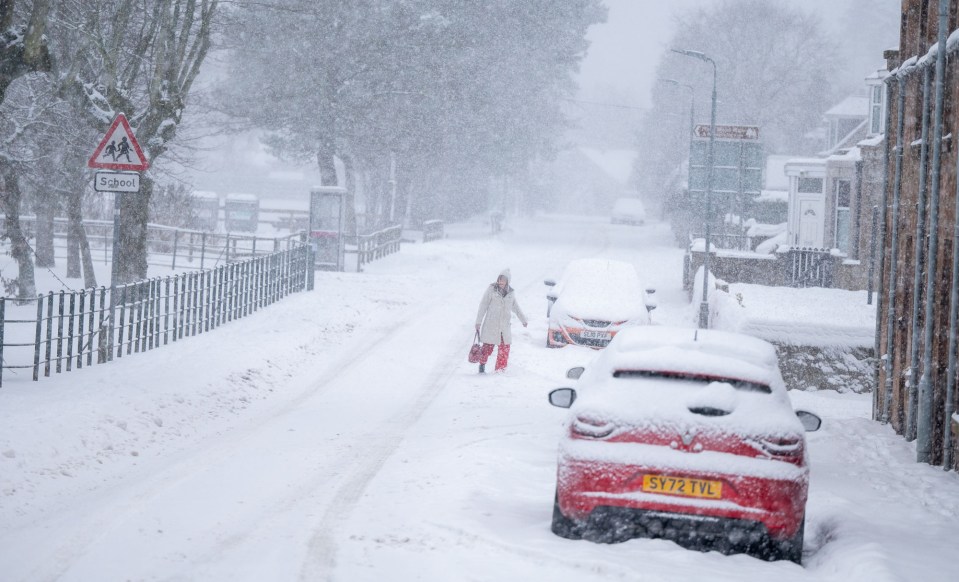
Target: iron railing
432 230
810 267
60 331
369 247
168 246
725 241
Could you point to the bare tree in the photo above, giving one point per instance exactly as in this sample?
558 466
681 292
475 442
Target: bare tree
23 44
140 58
447 87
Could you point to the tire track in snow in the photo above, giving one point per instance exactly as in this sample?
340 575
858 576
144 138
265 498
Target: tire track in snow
185 464
377 445
320 563
118 507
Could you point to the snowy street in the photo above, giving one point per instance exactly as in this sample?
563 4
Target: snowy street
341 435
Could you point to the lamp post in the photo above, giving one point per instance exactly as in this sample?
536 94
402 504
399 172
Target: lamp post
692 101
704 306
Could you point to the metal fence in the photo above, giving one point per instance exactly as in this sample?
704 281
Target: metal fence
810 267
432 230
167 245
726 241
369 247
67 330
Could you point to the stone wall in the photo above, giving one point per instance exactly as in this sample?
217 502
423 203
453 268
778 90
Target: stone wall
842 369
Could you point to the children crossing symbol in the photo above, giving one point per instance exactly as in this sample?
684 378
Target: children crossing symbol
119 150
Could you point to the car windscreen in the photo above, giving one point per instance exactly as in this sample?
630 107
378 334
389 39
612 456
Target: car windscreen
737 383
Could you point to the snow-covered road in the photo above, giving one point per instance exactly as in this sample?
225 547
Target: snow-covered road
341 435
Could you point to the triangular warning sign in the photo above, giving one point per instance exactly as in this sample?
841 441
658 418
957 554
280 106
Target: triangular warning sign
119 150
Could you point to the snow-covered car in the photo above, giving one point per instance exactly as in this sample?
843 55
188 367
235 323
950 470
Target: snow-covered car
687 435
628 211
593 300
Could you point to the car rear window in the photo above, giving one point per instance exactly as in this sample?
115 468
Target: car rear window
738 384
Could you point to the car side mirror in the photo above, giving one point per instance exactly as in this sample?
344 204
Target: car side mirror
562 397
549 283
809 421
575 373
651 302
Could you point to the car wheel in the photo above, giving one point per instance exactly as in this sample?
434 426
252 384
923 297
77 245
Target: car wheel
563 526
790 549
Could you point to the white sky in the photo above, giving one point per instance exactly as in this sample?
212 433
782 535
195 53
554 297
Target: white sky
624 51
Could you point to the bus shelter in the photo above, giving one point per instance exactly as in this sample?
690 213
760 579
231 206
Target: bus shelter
327 225
241 212
206 210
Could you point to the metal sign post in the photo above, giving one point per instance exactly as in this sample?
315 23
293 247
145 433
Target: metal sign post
118 151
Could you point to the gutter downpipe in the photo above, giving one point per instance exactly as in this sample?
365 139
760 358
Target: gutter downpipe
884 414
894 244
949 407
926 395
910 432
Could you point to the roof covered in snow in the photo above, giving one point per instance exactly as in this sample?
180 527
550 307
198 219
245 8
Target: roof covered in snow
852 106
617 164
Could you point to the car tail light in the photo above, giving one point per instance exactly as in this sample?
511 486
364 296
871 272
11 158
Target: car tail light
620 322
591 427
781 448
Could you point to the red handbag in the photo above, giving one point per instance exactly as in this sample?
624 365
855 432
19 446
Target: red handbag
476 352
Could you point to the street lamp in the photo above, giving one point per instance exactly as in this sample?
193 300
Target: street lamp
704 307
692 100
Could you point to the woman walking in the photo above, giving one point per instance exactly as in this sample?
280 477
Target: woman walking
494 318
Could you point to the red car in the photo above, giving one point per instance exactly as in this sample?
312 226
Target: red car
687 435
594 299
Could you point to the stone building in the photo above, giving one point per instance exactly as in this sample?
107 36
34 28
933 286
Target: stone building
917 370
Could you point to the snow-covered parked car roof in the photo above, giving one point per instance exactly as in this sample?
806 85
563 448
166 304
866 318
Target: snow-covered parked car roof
629 205
661 376
601 289
700 352
629 210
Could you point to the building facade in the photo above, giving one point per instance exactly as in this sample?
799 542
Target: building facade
916 317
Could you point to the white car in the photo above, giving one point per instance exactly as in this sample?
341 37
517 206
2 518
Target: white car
628 211
687 435
594 299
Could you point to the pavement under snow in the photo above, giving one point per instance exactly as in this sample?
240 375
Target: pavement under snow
341 435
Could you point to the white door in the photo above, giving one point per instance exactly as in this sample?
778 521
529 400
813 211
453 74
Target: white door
812 211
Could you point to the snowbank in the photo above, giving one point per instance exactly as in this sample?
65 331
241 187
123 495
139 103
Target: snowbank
811 316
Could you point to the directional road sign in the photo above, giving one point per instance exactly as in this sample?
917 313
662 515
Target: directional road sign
750 132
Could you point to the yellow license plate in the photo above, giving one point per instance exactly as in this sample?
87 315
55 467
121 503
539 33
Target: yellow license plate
682 486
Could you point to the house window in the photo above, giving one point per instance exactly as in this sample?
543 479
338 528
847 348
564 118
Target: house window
875 110
810 186
843 215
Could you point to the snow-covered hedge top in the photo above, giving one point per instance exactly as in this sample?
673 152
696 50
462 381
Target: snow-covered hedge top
206 194
811 316
243 197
